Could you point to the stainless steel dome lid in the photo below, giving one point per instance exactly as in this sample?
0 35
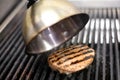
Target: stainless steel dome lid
49 23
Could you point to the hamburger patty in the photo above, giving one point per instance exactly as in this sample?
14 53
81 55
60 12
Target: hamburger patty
71 59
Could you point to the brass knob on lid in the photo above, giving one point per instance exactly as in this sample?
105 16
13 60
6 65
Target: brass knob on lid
49 23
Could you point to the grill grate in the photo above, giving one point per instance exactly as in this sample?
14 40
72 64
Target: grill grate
102 33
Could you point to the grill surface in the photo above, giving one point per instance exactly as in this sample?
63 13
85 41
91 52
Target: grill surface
101 33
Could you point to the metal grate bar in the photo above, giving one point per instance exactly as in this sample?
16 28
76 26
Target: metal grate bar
110 47
27 68
21 68
9 49
11 62
15 66
4 43
89 24
96 32
118 23
92 43
51 76
104 49
10 29
8 46
114 11
33 68
98 55
57 77
8 57
10 54
40 69
3 40
118 11
44 73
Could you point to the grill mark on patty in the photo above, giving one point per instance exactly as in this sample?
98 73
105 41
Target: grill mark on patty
64 55
59 63
86 58
58 53
65 50
55 54
70 48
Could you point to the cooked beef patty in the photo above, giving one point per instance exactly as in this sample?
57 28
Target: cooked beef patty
71 59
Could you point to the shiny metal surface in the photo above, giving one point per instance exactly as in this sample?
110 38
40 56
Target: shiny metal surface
49 23
96 3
